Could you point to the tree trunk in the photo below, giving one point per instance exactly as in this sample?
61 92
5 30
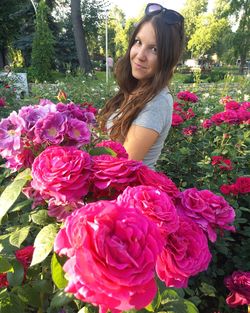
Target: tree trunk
81 46
3 54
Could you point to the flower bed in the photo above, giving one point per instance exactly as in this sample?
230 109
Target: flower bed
104 231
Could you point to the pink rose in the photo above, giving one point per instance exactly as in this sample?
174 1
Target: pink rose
207 124
223 163
225 189
112 253
148 177
232 105
115 146
208 210
154 204
60 210
111 175
61 173
185 254
176 119
239 285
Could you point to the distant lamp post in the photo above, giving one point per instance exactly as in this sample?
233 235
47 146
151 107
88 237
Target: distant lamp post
106 47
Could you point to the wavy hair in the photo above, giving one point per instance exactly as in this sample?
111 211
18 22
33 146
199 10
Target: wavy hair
132 97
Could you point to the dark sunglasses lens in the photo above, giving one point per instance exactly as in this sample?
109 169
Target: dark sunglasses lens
173 17
153 8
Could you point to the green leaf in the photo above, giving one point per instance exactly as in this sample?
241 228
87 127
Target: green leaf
191 308
21 205
60 299
41 217
207 290
16 278
18 237
11 192
5 266
102 150
58 273
44 243
154 305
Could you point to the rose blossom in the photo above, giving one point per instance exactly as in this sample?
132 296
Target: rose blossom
2 102
78 132
239 285
232 105
207 123
208 210
149 177
242 185
185 254
187 96
111 175
153 203
61 173
115 146
223 163
176 119
190 130
60 210
112 252
24 256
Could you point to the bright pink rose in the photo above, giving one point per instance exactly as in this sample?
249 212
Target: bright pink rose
207 124
185 254
115 146
232 105
154 204
149 177
187 96
190 114
61 173
190 130
2 102
239 285
112 254
177 119
208 210
3 280
111 175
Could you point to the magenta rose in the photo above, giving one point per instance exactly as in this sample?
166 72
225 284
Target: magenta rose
185 254
239 285
61 173
149 177
176 120
115 146
208 210
111 175
154 204
112 252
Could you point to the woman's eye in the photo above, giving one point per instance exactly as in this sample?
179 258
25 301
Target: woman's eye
154 49
137 41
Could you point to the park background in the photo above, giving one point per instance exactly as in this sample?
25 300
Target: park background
62 53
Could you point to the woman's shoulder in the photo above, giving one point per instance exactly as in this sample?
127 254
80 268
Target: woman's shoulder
162 99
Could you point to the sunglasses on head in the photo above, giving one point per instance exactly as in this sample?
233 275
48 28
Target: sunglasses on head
172 17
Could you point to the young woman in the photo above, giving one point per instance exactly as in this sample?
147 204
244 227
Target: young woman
140 114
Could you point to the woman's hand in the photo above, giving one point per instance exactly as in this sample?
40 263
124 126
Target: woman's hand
138 141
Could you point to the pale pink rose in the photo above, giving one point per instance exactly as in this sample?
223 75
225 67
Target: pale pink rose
111 175
149 177
112 253
207 209
61 173
60 210
186 253
115 146
154 204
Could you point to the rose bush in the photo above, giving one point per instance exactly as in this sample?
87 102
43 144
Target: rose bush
110 232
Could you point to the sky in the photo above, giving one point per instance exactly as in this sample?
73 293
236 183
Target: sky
131 8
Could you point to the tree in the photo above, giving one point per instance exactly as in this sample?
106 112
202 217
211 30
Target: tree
79 35
240 9
42 48
207 34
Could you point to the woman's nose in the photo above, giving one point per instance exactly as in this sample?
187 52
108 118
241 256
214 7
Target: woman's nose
141 53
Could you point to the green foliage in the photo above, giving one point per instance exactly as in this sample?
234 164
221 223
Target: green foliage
42 48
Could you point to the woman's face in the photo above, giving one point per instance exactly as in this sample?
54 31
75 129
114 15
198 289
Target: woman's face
143 53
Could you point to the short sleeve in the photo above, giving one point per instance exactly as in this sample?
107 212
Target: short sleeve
157 114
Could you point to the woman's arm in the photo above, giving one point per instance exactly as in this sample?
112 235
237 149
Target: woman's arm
138 141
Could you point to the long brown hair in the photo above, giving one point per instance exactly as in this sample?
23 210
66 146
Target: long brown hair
132 97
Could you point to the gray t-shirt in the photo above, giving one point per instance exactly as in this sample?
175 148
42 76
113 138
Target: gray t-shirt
156 115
